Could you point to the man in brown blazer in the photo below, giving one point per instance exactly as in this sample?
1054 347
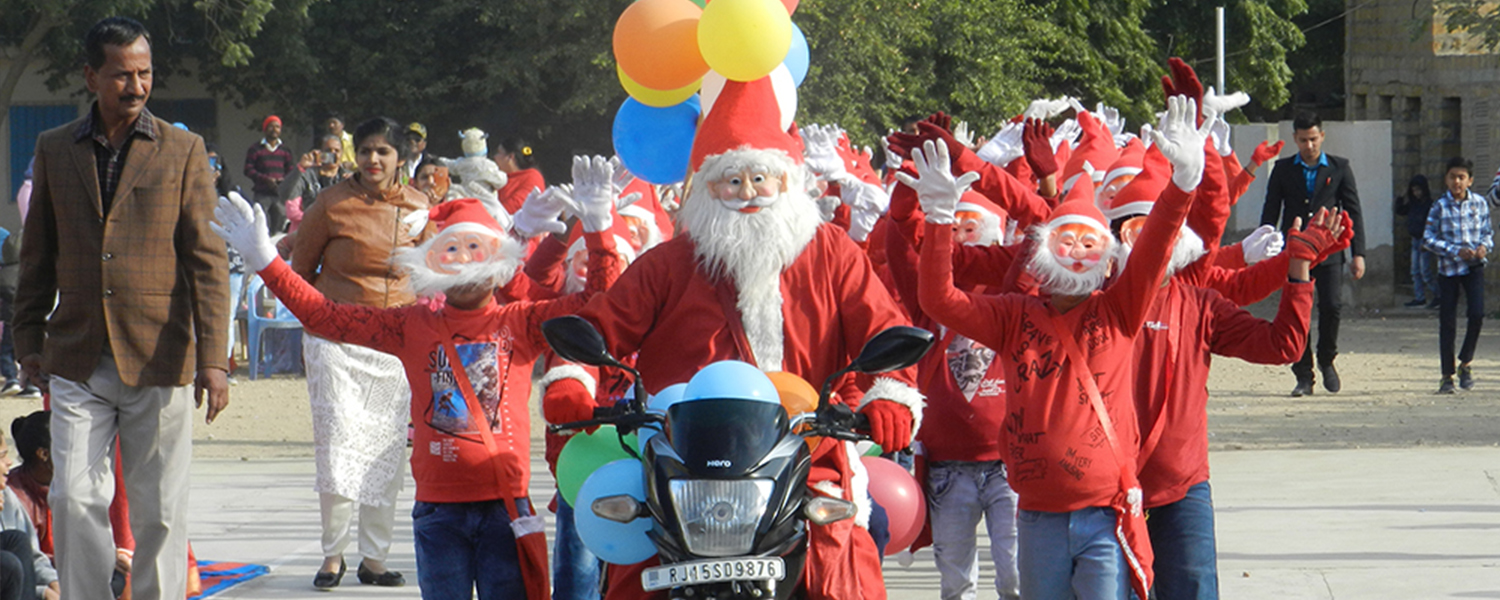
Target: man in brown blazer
117 239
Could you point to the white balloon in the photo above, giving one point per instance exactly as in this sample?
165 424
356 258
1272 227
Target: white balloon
713 83
786 94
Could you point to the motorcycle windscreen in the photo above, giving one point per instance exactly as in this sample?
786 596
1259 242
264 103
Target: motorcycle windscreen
724 438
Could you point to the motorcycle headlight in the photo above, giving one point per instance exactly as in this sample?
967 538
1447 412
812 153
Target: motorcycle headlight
719 516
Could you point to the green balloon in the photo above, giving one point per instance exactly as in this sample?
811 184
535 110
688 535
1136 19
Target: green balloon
584 454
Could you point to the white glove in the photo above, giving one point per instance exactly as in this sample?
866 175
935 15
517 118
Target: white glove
1263 243
892 160
1122 140
1218 129
593 192
1111 118
1215 105
541 212
1076 105
962 134
1180 140
1146 130
863 196
1046 108
936 188
622 176
245 230
826 207
1067 132
861 223
820 149
1005 146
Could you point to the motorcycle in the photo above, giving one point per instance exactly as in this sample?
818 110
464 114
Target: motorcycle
726 485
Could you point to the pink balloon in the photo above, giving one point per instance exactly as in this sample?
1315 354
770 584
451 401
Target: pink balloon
901 496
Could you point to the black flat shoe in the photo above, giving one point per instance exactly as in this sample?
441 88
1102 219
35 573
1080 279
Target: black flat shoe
327 581
386 579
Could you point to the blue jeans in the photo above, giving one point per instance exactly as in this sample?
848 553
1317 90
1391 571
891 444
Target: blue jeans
575 570
464 545
1070 555
1423 274
959 495
1182 535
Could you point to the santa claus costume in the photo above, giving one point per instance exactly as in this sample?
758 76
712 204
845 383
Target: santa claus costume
471 448
1070 434
757 277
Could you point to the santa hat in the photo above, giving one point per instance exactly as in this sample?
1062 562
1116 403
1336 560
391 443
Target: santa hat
1082 191
648 218
463 214
1078 212
1137 197
1131 161
992 216
1095 152
745 117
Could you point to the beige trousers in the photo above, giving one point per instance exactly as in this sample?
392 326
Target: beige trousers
156 448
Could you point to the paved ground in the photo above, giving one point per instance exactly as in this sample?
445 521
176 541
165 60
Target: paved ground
1293 524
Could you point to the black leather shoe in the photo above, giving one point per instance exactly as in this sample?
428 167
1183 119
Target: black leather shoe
1304 388
386 579
326 581
1330 378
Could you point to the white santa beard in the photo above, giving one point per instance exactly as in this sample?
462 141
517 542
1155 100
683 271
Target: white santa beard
1053 278
423 281
752 249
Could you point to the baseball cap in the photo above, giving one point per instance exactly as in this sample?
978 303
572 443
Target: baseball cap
418 129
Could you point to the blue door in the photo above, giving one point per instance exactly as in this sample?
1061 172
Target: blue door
26 123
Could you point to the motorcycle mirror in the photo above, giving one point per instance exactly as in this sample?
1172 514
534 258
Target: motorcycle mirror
894 348
575 339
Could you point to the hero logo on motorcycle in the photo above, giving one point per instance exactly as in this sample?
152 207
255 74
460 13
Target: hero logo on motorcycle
712 571
722 463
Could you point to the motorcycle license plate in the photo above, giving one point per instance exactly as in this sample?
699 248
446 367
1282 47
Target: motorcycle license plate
712 571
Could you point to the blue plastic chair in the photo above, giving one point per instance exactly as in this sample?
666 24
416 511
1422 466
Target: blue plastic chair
266 312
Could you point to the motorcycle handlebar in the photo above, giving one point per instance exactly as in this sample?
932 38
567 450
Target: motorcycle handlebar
618 415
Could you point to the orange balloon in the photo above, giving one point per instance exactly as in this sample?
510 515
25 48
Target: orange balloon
656 43
797 397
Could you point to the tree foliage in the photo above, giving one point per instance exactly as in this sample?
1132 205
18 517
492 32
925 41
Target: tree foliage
1259 36
1480 18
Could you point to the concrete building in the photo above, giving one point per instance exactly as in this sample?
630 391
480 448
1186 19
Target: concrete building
1438 89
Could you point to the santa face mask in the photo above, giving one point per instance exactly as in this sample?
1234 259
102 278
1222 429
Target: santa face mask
452 250
639 234
969 227
1107 195
1078 248
748 190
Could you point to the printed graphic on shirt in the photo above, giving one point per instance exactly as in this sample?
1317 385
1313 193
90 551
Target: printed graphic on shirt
970 361
449 412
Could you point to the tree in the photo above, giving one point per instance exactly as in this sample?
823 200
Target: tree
1260 34
49 33
1480 18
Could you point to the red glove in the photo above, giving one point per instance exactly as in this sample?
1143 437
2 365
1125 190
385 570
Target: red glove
1264 152
567 400
1310 244
1036 138
941 120
902 143
1344 240
1183 82
890 424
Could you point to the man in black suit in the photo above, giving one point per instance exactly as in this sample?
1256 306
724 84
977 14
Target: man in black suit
1299 186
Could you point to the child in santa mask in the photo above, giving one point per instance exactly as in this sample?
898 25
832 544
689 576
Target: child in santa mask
471 452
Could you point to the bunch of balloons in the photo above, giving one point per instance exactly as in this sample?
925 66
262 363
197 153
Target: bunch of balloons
673 56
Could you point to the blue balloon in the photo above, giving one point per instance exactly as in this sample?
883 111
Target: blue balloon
655 143
731 379
659 403
798 58
612 541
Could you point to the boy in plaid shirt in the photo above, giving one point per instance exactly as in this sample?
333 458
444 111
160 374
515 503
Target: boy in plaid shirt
1459 233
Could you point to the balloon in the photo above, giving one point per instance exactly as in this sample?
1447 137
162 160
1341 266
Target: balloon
659 403
781 83
584 453
867 448
786 95
655 143
797 395
798 57
901 497
656 98
614 542
791 5
744 39
656 44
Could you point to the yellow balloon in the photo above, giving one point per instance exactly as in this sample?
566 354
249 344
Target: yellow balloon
744 40
656 98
